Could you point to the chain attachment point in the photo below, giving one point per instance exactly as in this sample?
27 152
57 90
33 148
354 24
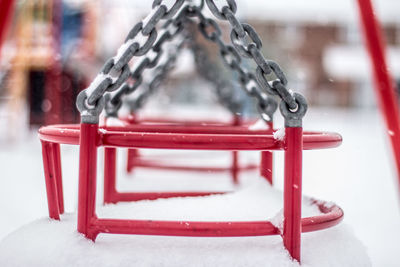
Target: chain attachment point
89 113
294 117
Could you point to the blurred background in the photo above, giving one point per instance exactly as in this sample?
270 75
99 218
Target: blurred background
53 49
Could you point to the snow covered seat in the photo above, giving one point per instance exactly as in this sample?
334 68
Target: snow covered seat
172 137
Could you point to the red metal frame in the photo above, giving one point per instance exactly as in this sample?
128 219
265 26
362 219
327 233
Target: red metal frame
384 84
217 137
135 159
292 190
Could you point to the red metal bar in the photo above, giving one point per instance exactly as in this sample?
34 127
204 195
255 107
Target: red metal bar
89 225
235 155
110 160
132 159
87 178
292 191
58 176
184 228
331 216
384 84
133 154
240 140
6 11
267 161
51 183
154 164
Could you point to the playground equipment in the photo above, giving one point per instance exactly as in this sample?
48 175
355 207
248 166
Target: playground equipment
206 68
159 50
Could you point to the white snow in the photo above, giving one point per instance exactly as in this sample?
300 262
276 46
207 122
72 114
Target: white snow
277 220
123 48
260 124
111 121
279 134
97 81
63 246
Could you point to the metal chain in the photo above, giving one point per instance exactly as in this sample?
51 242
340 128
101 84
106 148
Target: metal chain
209 71
211 31
116 71
143 40
170 30
159 75
252 49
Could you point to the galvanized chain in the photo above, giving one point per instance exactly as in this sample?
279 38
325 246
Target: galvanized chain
169 32
160 73
252 49
116 71
212 32
209 71
143 38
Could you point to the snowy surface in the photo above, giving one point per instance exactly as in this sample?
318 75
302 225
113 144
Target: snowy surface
358 176
279 134
260 124
115 250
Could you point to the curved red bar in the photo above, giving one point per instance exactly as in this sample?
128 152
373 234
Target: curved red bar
330 217
186 137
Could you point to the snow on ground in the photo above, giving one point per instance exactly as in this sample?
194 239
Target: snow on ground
358 176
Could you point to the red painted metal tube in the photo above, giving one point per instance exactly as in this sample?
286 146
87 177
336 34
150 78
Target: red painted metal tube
87 178
292 191
211 141
133 158
154 164
133 154
88 223
267 162
175 121
235 155
51 182
58 176
110 159
384 84
252 140
184 228
331 217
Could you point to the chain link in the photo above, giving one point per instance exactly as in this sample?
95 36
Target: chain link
232 59
141 38
252 50
116 79
170 30
160 73
207 69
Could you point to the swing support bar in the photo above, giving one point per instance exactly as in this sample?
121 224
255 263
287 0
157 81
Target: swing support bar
384 84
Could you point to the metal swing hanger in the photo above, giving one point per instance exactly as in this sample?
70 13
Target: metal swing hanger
143 37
